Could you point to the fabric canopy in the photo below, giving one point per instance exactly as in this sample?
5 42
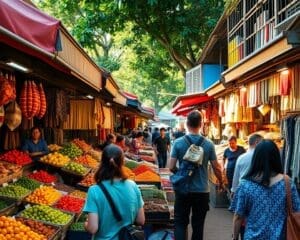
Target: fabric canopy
186 103
30 24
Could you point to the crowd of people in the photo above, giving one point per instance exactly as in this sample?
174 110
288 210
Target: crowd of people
255 181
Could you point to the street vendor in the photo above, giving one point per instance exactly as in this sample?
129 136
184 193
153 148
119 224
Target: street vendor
35 146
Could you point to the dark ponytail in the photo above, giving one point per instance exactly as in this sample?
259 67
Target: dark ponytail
111 164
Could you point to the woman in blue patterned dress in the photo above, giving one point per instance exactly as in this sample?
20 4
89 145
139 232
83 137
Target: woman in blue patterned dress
261 197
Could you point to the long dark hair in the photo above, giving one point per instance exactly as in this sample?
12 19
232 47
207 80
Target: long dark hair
111 164
265 163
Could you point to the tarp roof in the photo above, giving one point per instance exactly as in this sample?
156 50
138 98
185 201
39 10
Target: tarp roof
30 23
188 102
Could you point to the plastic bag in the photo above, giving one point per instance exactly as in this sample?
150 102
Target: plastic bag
13 116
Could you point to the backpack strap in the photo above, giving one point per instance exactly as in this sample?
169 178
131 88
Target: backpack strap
113 207
189 140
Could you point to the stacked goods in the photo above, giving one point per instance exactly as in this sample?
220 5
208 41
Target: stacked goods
76 168
7 169
41 228
129 174
151 193
131 164
43 176
71 150
54 147
45 195
87 161
141 169
27 183
47 214
82 145
89 180
154 167
55 159
95 154
14 191
16 157
147 176
70 204
12 229
78 194
32 100
78 226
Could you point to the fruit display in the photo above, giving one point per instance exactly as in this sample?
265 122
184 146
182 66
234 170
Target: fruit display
76 168
13 229
54 147
43 176
71 150
28 183
70 204
14 191
41 228
16 157
89 180
55 159
87 161
152 192
45 195
7 169
82 145
63 187
78 194
47 214
147 176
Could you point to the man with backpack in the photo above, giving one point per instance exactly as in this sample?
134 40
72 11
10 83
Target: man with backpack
197 197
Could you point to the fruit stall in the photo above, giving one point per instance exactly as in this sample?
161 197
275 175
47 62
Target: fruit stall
48 197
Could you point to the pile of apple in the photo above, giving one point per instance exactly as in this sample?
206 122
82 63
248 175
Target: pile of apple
55 159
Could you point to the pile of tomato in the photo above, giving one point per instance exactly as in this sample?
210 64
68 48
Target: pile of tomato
16 157
70 204
43 176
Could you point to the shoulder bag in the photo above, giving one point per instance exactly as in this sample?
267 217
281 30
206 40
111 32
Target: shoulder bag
130 232
293 218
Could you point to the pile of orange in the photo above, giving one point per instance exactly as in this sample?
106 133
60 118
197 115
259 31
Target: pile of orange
10 229
45 195
87 161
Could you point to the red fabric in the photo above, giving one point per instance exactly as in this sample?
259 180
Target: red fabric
130 96
285 84
190 101
29 23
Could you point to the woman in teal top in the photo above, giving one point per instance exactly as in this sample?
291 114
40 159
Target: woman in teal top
125 193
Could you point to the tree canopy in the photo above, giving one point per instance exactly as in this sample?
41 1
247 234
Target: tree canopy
144 43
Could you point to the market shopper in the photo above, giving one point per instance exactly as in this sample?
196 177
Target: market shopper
36 146
230 156
125 194
198 197
261 196
162 147
121 142
137 142
110 138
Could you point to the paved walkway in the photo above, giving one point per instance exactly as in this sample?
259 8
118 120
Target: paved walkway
218 224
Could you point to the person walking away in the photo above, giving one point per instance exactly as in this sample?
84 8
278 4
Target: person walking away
125 194
242 165
198 198
162 147
261 197
230 156
110 138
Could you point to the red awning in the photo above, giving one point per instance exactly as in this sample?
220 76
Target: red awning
29 23
186 103
130 96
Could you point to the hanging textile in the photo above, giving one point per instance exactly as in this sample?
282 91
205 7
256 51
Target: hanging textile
265 91
295 82
243 97
81 115
258 93
285 84
221 108
252 95
108 121
290 131
275 109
